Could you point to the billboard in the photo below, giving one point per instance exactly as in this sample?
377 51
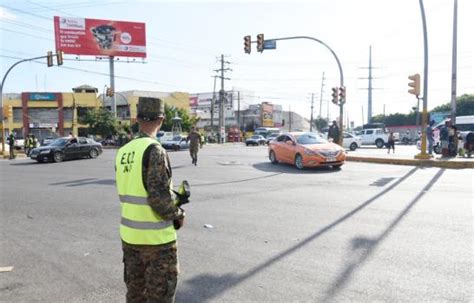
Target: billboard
79 36
267 114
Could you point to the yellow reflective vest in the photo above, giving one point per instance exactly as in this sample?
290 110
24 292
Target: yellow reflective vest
139 225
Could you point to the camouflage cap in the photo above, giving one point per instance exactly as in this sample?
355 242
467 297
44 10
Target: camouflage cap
150 109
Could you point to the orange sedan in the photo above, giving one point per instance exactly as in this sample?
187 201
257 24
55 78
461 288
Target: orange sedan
305 150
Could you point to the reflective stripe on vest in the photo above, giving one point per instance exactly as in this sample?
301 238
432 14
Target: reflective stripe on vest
140 224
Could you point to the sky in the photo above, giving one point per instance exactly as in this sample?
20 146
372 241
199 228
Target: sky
185 40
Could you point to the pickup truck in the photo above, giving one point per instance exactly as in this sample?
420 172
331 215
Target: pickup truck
373 136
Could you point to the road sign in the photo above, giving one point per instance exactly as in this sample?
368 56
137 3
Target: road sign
269 44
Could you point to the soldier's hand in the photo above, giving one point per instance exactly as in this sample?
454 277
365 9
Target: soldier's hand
178 223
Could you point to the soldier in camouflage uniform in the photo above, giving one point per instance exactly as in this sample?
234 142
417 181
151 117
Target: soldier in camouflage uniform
150 270
196 141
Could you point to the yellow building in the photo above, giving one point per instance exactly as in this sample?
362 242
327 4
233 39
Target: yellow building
53 114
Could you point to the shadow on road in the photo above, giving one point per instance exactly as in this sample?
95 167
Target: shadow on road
83 182
291 169
364 247
234 181
206 286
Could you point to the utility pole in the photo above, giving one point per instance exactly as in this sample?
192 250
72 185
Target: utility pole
369 108
311 122
370 87
363 114
454 64
222 98
112 86
321 99
238 110
384 110
213 102
289 119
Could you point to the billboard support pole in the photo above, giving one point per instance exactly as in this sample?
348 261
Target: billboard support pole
112 86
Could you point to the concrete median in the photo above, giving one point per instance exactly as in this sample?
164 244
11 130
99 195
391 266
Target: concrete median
454 163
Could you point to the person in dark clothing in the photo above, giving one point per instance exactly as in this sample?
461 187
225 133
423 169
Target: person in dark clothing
391 143
444 138
11 145
334 132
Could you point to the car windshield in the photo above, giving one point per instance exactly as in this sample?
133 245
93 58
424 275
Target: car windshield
255 137
178 138
59 142
310 138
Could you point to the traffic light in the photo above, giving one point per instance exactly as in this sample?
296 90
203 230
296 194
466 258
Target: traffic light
414 84
109 92
49 58
59 57
7 111
342 94
335 95
260 41
247 44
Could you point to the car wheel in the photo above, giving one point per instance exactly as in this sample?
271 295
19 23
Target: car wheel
246 144
379 143
272 157
337 166
93 153
176 147
353 146
437 149
299 161
58 157
405 141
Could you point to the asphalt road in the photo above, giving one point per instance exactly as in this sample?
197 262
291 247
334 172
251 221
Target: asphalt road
367 232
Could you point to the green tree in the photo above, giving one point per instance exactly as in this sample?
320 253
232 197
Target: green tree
101 122
464 106
320 123
171 112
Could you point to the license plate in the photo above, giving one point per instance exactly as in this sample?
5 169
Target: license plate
330 159
34 156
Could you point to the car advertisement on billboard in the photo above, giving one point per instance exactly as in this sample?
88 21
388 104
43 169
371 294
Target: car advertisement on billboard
80 36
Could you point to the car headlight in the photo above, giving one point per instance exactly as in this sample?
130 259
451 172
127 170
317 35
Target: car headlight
46 151
310 152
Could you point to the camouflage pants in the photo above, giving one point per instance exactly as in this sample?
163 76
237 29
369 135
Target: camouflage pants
193 151
150 273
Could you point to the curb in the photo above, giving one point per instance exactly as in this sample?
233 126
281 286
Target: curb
415 162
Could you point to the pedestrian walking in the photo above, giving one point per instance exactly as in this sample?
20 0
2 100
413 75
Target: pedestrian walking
150 216
430 136
195 139
11 146
28 143
391 143
334 132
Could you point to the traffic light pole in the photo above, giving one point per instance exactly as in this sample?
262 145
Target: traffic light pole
1 96
423 154
341 74
112 86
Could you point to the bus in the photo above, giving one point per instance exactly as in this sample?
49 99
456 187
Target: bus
265 131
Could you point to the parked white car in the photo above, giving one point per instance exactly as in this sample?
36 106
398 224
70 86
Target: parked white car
373 136
351 141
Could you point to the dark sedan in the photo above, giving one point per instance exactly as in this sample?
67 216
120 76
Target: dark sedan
67 148
255 140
